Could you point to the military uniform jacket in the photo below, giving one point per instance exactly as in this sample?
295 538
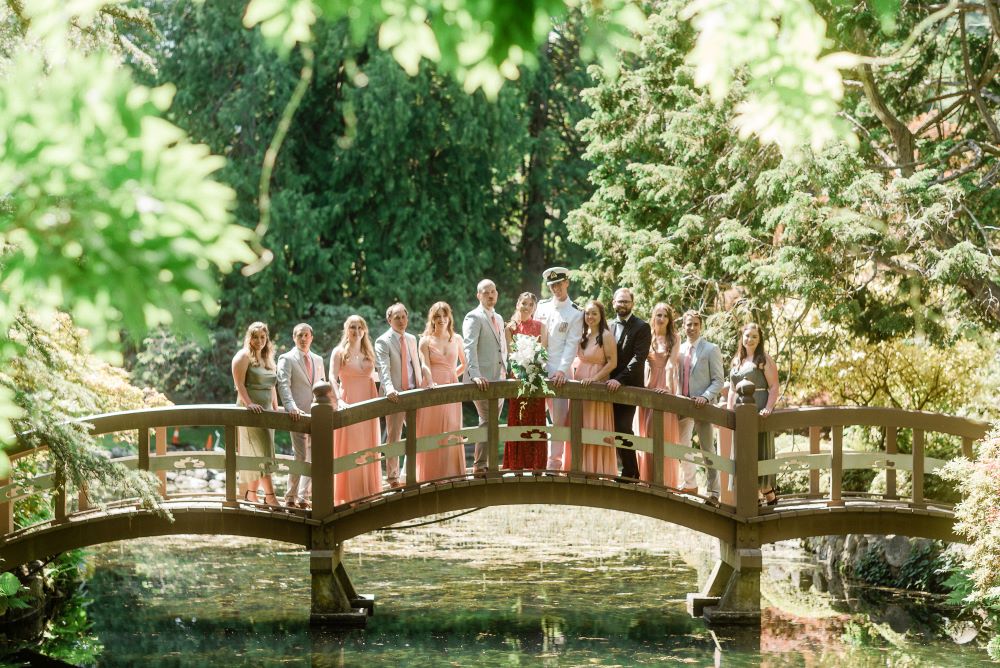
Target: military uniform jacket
564 322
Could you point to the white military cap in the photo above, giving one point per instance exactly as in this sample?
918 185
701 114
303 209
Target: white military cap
555 274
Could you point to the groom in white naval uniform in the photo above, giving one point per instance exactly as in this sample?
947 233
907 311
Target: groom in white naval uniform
564 321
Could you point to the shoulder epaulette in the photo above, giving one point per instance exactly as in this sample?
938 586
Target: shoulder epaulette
575 305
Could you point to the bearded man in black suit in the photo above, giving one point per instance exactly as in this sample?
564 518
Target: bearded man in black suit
633 336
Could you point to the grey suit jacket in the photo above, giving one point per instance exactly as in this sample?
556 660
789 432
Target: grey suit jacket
294 382
485 349
707 374
390 364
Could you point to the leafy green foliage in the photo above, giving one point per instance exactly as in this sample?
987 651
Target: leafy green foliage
387 186
55 380
188 370
978 514
792 89
482 42
834 256
12 593
104 194
107 210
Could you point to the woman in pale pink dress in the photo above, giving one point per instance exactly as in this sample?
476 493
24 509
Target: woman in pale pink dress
352 366
596 358
442 355
661 375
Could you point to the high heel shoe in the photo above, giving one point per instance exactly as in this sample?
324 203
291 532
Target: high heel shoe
768 497
247 496
273 498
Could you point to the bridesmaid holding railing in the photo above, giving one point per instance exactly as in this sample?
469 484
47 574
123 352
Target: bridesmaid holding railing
442 354
596 358
352 372
661 375
255 376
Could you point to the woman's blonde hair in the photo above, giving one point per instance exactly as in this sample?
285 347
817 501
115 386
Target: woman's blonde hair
266 356
344 347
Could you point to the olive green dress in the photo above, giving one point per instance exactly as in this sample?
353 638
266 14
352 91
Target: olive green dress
765 439
256 442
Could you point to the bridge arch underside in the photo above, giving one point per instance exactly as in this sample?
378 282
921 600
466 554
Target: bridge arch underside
816 520
96 528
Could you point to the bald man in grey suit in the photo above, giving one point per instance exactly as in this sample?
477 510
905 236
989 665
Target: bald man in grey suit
486 353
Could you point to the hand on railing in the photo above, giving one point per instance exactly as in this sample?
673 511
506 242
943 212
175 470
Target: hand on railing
558 379
481 383
297 413
613 385
255 408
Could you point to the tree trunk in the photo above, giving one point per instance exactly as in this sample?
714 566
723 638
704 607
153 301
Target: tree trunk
902 138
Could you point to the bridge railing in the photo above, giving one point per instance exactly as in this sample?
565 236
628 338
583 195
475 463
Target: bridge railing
835 458
743 422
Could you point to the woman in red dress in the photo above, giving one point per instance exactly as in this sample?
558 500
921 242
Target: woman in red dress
528 412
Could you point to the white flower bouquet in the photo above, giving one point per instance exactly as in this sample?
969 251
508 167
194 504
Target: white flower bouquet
527 362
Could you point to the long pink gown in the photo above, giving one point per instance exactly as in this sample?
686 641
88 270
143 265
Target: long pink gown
357 385
658 364
444 462
596 414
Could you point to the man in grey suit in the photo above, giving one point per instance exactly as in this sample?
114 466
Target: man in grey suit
486 353
398 371
701 379
298 370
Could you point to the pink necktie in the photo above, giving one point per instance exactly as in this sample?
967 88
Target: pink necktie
493 321
404 360
309 368
687 371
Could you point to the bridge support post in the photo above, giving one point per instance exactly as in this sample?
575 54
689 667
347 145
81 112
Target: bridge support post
731 594
740 600
335 602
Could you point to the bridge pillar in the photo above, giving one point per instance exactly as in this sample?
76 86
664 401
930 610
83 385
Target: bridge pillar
334 599
731 595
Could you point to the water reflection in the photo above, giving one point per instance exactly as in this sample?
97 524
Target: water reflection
514 586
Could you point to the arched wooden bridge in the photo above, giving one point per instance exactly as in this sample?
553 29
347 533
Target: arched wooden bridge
740 525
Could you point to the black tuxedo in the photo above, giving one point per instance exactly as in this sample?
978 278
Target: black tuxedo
634 338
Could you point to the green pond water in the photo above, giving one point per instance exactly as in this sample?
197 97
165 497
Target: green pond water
501 587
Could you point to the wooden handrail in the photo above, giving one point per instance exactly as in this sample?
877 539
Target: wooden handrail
744 421
803 417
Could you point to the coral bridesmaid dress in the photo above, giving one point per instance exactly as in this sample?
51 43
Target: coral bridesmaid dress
596 414
658 371
357 385
447 461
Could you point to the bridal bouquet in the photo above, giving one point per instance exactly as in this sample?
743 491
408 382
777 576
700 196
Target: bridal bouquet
527 362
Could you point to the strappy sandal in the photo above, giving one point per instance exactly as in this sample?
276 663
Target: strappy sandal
768 497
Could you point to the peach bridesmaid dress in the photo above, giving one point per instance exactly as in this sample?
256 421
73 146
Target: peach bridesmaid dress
658 368
596 414
357 384
449 461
